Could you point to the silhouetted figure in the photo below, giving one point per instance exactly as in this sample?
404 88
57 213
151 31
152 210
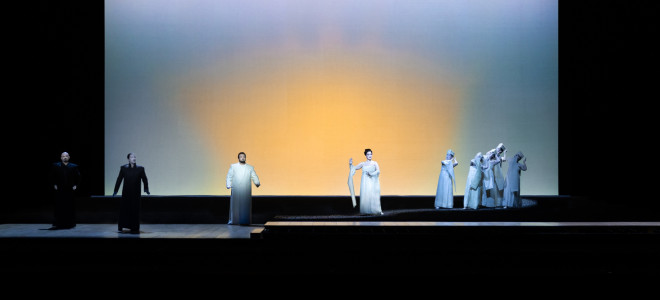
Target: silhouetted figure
129 208
65 178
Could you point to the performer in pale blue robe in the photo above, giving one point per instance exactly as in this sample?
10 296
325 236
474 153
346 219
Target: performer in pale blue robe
239 179
444 194
500 152
489 192
473 184
369 184
512 189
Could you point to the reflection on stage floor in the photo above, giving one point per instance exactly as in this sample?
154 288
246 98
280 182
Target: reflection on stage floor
161 231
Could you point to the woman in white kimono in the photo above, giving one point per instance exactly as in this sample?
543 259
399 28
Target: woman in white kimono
369 184
489 192
444 194
473 184
512 189
498 174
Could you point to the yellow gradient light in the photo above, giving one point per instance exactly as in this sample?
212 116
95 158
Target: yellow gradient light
300 117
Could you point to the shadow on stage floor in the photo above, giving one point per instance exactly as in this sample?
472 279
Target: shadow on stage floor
548 236
214 210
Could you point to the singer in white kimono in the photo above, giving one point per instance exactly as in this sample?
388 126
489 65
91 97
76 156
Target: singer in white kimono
500 152
474 183
490 195
444 194
369 184
239 179
512 189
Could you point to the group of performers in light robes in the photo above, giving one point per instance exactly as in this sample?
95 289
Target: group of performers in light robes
486 185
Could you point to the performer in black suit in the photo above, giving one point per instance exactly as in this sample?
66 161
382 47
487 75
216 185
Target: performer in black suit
129 208
65 178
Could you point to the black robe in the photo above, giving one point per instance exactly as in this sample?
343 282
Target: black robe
65 177
129 207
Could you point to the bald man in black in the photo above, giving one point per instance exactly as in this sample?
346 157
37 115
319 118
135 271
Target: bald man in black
65 178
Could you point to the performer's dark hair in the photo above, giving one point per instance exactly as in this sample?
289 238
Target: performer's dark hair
367 150
129 155
239 154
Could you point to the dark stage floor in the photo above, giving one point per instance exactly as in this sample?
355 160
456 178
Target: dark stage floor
549 236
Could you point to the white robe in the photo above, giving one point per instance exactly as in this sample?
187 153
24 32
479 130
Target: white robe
369 188
498 178
472 195
475 190
239 179
512 189
444 194
490 192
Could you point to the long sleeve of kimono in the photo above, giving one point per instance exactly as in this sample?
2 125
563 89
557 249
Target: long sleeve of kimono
377 172
476 180
76 176
450 168
255 178
120 177
230 175
350 183
145 181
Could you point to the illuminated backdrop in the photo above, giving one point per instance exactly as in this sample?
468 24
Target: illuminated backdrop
302 86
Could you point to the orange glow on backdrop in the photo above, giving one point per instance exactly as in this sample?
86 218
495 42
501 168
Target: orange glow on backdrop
301 117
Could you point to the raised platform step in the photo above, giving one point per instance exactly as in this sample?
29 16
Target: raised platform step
367 229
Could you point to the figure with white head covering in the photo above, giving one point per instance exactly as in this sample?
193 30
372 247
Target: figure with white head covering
474 183
489 193
444 195
512 189
500 152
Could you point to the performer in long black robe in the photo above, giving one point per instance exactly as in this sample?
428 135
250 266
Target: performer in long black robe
129 207
64 178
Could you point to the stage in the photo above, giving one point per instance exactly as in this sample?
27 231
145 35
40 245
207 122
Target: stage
336 248
549 236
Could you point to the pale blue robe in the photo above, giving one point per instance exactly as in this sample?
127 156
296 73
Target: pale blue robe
240 178
444 194
473 184
512 189
498 177
489 192
369 187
